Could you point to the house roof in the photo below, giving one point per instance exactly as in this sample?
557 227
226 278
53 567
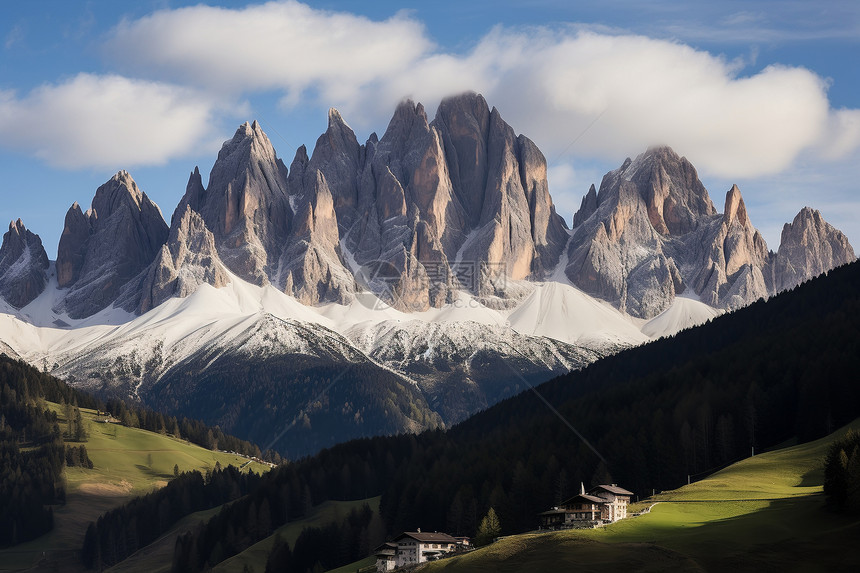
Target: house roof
427 537
387 548
584 497
612 489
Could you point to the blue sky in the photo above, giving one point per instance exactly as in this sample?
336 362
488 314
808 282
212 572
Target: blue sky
759 93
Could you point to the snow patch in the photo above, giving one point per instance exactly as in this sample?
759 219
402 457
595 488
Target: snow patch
685 312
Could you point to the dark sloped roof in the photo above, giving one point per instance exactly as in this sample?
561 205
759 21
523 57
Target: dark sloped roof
427 537
583 497
612 489
385 552
388 548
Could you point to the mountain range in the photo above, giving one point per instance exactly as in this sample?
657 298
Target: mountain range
399 284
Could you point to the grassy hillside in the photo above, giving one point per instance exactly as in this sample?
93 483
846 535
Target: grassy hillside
763 513
134 461
127 462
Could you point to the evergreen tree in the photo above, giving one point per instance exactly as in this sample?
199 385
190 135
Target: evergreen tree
489 529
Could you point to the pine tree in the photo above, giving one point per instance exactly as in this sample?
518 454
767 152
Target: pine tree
489 529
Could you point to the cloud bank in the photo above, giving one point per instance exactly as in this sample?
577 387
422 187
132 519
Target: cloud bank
550 83
105 121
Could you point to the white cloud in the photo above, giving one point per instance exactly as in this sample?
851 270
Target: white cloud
105 121
658 92
842 135
550 84
284 45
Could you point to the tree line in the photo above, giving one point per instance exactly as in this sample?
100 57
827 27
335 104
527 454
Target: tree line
842 473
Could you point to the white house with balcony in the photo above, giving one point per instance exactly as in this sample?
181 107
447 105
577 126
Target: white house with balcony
602 504
414 547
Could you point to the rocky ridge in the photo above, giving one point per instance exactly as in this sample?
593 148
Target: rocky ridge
459 204
652 232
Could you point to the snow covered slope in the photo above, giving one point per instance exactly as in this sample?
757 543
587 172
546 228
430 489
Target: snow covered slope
682 314
443 363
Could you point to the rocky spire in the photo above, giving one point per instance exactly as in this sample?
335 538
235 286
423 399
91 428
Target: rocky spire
311 267
337 155
675 198
23 265
108 246
735 208
245 205
587 207
652 218
809 246
188 260
73 244
732 272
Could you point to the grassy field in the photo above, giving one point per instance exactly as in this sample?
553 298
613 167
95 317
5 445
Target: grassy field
325 513
127 462
764 513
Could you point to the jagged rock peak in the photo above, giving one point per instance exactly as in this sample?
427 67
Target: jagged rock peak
735 207
471 103
669 184
187 260
808 247
17 227
119 190
408 108
408 116
103 249
249 141
587 207
23 265
335 118
70 253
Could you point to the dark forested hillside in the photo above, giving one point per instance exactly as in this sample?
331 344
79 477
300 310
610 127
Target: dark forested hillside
32 452
34 449
655 414
345 399
122 531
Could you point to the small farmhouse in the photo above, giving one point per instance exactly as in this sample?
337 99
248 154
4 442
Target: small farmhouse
602 504
411 548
